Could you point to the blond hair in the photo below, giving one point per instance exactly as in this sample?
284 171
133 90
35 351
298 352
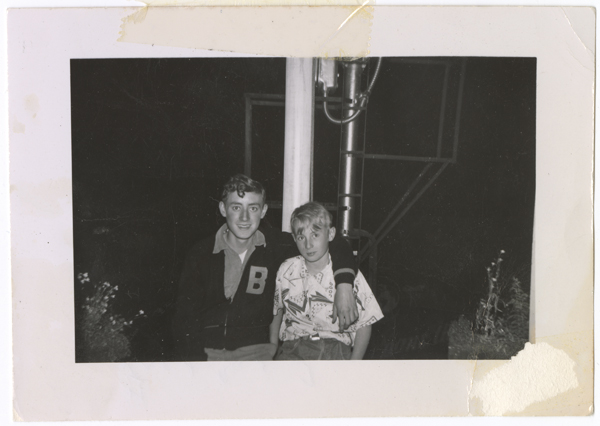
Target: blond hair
310 215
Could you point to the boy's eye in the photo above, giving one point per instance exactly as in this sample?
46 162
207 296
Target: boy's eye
254 209
235 208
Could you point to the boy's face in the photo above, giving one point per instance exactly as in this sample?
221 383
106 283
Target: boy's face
243 214
313 244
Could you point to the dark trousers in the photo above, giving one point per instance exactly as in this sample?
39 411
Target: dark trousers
307 349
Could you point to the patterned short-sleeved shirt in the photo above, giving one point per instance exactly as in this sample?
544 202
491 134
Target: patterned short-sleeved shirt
308 303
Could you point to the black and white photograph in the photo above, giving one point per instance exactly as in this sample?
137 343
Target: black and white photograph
426 164
195 188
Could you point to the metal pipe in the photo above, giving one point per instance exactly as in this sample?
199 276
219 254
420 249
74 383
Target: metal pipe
443 111
359 102
461 88
248 143
406 194
348 185
414 200
403 157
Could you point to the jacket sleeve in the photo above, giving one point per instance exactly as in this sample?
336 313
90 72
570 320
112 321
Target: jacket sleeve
342 261
188 308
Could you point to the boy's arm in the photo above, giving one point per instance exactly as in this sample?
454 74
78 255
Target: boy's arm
361 342
343 262
344 271
275 326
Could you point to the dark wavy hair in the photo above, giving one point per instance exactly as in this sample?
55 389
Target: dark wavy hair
241 184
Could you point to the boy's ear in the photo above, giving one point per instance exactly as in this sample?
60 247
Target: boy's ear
264 211
222 209
331 233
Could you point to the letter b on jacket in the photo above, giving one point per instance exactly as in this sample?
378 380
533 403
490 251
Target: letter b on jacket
257 279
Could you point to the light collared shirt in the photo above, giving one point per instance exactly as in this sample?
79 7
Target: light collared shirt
234 266
308 303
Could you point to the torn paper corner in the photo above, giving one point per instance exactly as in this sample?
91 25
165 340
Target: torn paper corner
330 31
537 373
16 416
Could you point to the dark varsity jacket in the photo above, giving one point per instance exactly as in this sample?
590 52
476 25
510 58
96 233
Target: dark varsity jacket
204 318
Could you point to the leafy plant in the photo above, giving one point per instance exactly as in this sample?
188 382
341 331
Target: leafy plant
501 325
103 332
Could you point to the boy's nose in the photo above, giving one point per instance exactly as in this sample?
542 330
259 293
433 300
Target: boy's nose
245 214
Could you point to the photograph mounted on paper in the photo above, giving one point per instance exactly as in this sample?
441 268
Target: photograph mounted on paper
424 165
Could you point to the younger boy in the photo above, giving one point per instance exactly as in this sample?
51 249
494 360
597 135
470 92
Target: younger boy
305 289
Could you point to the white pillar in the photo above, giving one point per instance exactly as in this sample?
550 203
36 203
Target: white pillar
299 113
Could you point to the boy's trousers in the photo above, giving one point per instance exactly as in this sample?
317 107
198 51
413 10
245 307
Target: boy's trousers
307 349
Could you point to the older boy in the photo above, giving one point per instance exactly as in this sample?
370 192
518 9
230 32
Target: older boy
225 301
305 290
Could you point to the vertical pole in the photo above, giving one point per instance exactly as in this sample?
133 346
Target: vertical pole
443 111
348 186
248 144
461 89
299 114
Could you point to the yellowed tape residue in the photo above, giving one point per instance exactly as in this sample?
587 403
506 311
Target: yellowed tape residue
315 31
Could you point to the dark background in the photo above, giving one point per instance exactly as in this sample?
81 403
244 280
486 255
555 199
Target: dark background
153 140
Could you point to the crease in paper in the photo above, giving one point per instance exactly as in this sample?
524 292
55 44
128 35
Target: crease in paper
537 373
576 17
328 31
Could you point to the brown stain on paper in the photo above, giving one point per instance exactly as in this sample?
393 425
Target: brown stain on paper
18 127
50 198
297 31
32 105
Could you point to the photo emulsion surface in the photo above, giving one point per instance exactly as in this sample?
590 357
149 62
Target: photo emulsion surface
439 154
